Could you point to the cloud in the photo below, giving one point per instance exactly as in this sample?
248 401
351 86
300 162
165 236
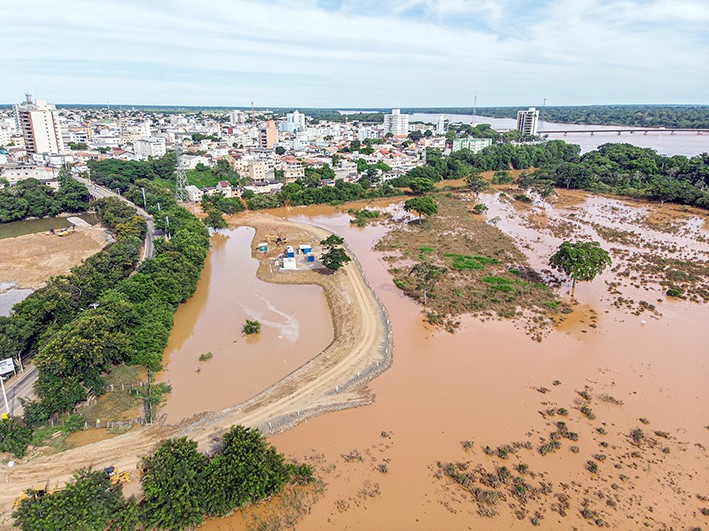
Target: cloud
356 53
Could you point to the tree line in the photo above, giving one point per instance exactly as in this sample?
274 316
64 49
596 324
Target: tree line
621 169
104 312
31 198
680 116
180 487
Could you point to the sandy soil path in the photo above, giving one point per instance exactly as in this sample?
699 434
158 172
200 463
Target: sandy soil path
31 259
335 379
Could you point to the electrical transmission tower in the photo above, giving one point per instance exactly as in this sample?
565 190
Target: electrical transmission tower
180 181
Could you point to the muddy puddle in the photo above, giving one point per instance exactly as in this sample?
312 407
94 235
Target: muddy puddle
490 385
295 326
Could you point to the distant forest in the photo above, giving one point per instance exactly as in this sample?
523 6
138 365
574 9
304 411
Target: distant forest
684 116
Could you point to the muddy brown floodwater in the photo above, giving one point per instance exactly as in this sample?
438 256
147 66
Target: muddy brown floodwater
488 383
295 327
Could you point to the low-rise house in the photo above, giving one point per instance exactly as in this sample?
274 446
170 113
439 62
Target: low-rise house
194 194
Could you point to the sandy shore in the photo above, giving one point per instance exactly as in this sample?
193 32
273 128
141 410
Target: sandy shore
333 380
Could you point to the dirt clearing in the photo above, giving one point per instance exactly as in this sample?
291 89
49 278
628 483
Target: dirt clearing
31 259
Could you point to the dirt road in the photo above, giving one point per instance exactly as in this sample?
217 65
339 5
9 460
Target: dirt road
335 379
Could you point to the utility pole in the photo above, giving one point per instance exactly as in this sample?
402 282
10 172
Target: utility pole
145 206
4 394
475 104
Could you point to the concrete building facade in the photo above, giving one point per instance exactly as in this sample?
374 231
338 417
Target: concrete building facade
150 147
528 121
39 122
396 123
268 137
473 144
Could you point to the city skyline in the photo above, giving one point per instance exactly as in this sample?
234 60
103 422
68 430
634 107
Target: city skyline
341 53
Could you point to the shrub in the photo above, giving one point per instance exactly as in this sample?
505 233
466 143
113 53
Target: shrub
15 436
206 356
637 435
251 327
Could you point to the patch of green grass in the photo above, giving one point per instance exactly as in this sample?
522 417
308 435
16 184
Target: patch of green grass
165 183
462 262
201 179
498 283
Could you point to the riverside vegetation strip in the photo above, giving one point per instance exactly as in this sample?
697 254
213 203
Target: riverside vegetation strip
333 380
80 325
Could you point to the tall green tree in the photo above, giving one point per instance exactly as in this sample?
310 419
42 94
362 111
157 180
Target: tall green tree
421 185
423 206
334 256
173 486
246 470
426 276
90 502
582 261
475 182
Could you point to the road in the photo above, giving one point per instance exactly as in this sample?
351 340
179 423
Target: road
20 386
99 191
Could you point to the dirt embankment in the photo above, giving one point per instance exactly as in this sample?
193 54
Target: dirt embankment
31 259
333 380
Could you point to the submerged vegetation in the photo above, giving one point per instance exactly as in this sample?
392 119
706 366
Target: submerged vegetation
251 327
479 268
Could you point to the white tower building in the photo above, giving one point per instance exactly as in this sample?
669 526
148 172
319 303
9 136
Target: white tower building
527 121
396 123
40 126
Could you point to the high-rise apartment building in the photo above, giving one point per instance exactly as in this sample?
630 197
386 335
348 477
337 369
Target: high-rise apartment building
237 117
268 137
527 121
396 123
39 122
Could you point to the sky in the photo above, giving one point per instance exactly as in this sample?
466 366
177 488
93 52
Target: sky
355 53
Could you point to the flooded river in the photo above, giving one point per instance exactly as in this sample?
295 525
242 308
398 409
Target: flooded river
295 326
487 384
665 143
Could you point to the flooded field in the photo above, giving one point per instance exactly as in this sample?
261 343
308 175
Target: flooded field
295 326
609 371
31 226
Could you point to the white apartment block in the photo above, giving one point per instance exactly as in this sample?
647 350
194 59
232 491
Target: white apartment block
194 194
237 117
528 121
5 137
473 144
396 123
19 172
40 126
150 147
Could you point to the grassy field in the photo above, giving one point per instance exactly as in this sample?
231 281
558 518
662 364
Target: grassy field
485 273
